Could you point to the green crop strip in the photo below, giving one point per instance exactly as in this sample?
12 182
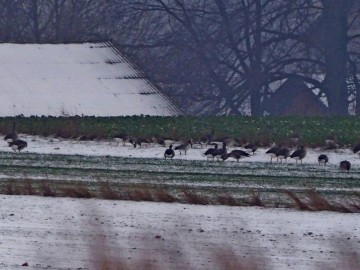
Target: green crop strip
313 130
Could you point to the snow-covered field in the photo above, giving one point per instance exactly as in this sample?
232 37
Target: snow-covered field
66 233
62 233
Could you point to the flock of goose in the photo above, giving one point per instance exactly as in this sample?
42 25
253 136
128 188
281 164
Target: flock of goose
278 152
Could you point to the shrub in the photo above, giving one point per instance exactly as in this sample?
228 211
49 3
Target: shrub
194 198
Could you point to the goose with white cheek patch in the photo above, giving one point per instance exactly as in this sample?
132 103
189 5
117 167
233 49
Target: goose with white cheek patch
169 153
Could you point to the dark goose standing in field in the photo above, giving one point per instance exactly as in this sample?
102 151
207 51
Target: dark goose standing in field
345 165
299 154
18 145
220 153
323 159
283 153
184 147
356 149
236 154
252 147
209 153
169 153
272 152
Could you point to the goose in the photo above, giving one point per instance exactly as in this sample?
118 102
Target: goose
251 147
272 152
207 138
158 140
209 153
197 143
133 142
184 147
330 142
139 142
203 141
220 153
345 165
236 154
283 153
240 152
169 153
18 145
216 141
10 137
169 141
323 159
330 139
121 137
299 154
163 141
356 149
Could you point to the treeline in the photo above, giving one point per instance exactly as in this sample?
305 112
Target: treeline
212 56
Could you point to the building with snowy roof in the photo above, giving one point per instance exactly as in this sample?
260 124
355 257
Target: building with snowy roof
89 79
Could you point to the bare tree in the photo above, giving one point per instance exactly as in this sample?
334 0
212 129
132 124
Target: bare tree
214 56
53 20
243 46
354 56
12 21
238 44
330 52
335 27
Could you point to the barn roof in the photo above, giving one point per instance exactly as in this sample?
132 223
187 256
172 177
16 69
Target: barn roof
294 97
75 79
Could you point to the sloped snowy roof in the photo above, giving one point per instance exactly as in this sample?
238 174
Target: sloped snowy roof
75 79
